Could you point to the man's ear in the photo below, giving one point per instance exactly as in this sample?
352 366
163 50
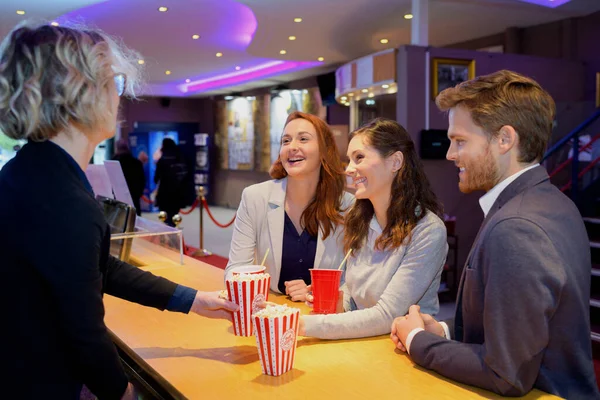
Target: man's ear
507 139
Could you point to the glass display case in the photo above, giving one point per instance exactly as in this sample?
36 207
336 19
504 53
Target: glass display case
151 244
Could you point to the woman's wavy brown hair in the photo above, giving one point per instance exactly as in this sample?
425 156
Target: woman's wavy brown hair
324 210
411 194
55 76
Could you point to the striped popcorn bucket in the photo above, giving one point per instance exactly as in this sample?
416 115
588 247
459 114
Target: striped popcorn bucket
276 341
247 291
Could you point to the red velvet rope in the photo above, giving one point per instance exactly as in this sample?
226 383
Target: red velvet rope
191 209
205 203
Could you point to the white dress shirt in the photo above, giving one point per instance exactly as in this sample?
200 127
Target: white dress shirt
485 202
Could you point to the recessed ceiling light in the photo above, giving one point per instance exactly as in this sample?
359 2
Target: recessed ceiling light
320 59
238 68
292 37
163 9
350 94
282 51
141 62
371 95
219 54
297 19
188 80
167 72
365 90
195 37
20 12
385 86
344 98
383 41
408 16
228 97
54 23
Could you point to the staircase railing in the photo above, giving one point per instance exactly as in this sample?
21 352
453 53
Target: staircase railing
574 134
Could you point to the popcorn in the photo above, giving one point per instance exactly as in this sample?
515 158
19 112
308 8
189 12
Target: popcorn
276 332
249 292
248 277
272 311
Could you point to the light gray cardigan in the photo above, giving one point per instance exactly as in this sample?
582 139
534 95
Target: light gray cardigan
382 285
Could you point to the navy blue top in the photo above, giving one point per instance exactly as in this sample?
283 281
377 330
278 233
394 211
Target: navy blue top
298 254
183 297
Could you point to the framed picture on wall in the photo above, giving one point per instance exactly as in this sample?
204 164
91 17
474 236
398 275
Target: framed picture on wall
449 72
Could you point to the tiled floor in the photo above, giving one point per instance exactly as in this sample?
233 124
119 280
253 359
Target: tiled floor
217 240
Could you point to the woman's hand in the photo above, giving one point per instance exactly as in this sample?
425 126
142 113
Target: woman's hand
296 289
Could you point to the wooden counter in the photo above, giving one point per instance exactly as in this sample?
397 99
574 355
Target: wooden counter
200 358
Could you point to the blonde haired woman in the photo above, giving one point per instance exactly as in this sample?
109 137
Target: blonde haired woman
60 89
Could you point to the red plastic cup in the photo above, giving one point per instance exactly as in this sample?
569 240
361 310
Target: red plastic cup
325 289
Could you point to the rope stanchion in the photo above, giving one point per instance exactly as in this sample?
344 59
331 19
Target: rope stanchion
205 203
201 252
146 199
191 209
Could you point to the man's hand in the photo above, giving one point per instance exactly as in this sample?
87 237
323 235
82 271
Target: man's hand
296 289
210 305
431 325
402 326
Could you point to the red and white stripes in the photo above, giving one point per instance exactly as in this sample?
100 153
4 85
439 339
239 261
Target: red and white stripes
276 342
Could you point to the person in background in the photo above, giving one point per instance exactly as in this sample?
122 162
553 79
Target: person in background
133 169
398 239
297 216
60 89
172 177
522 313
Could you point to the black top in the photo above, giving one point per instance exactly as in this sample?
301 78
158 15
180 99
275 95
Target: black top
54 247
298 254
133 169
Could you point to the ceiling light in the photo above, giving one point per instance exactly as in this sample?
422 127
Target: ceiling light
141 62
365 90
344 98
320 59
219 54
350 94
195 37
297 19
20 12
371 95
292 37
238 68
228 97
383 41
167 72
162 9
408 16
54 23
385 86
282 51
188 80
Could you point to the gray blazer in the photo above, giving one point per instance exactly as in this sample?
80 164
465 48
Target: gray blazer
522 318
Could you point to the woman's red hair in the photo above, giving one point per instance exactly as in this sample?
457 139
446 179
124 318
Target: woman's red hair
324 210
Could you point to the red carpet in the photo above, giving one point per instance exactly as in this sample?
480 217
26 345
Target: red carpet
215 260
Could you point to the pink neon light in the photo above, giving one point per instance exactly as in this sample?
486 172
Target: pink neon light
245 75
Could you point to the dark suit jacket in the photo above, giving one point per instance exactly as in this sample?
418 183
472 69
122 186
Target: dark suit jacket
522 316
55 265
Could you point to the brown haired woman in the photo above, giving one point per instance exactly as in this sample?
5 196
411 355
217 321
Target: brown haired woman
398 241
297 215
